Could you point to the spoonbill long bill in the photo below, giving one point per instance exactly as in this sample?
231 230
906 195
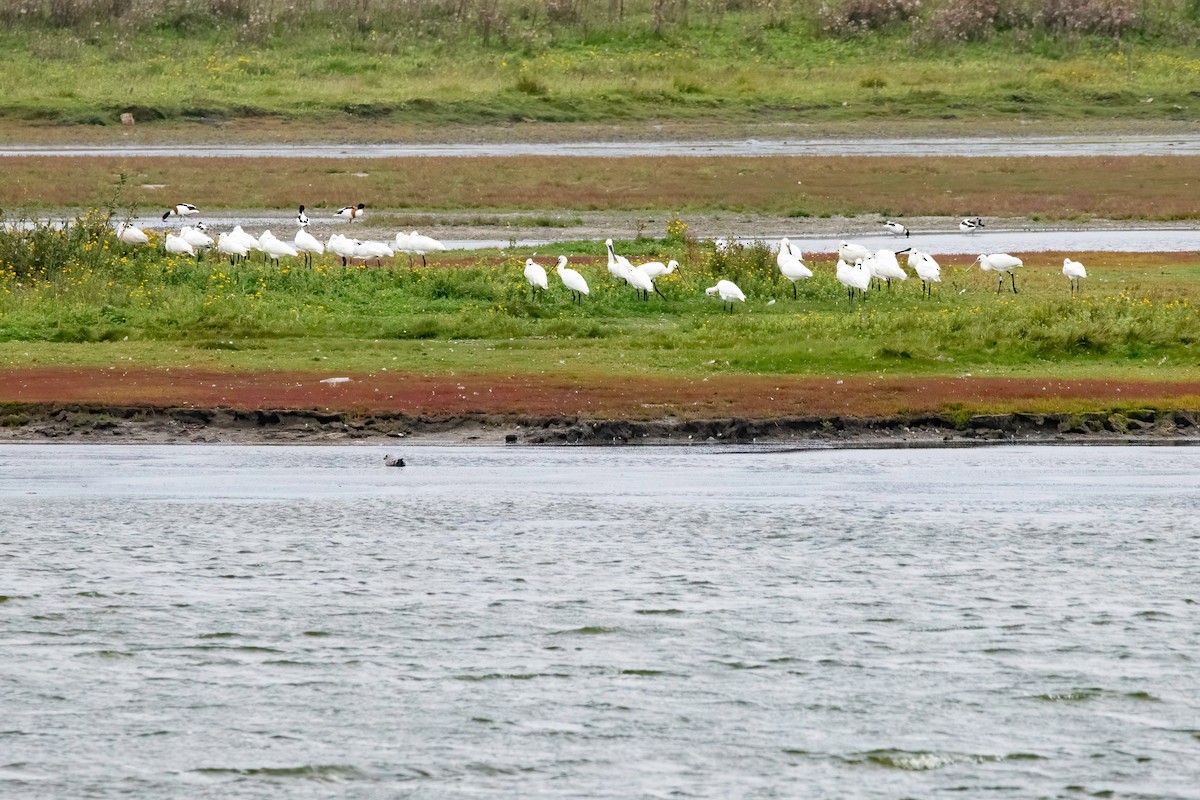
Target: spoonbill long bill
572 280
618 266
1074 272
1002 263
928 270
728 292
536 275
656 269
790 266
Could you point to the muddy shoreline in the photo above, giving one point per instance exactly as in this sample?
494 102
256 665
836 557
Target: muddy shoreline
72 423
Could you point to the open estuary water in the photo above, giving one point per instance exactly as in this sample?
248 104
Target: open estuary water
486 622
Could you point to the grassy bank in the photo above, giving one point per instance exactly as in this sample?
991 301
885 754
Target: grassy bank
78 297
491 63
1160 188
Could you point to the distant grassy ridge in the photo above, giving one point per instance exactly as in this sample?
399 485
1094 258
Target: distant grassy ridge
497 61
1053 188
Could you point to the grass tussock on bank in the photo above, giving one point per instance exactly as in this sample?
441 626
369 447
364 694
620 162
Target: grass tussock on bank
62 288
483 62
1158 188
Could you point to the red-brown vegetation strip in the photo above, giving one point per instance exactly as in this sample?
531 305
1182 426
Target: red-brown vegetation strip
756 397
1056 187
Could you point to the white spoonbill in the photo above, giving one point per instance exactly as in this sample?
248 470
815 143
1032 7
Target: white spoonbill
352 213
181 210
790 266
971 225
229 245
896 228
1074 272
572 280
178 246
728 291
857 277
535 274
198 239
642 283
302 218
132 234
307 244
275 248
852 252
618 266
1002 263
887 268
928 270
365 251
656 269
342 246
421 245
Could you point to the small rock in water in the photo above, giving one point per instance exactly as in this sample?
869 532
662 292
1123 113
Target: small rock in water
390 461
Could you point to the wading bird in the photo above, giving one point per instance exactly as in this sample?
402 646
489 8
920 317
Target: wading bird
1002 263
275 248
197 238
342 246
728 292
790 266
572 280
656 269
307 244
1074 272
178 246
181 210
618 266
229 245
535 274
885 267
928 270
971 225
302 218
352 213
642 283
851 253
420 245
854 278
896 228
132 234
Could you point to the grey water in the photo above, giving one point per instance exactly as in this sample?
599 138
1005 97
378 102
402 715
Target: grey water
1079 145
247 621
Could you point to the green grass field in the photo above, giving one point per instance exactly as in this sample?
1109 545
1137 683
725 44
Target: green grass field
80 297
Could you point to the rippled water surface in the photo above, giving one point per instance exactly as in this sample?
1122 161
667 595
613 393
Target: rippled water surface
305 622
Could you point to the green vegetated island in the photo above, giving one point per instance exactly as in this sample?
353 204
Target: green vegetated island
330 63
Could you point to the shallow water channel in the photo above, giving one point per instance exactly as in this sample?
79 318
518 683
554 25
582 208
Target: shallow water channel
293 622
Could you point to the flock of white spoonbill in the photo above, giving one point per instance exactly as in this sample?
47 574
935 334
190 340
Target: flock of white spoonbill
858 267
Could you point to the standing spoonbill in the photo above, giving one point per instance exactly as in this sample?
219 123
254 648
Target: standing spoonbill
728 292
642 282
928 270
896 228
181 210
572 280
230 245
275 248
197 238
178 246
132 234
851 253
618 266
307 244
857 277
886 267
535 274
1074 272
352 213
790 266
421 245
656 269
1002 263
